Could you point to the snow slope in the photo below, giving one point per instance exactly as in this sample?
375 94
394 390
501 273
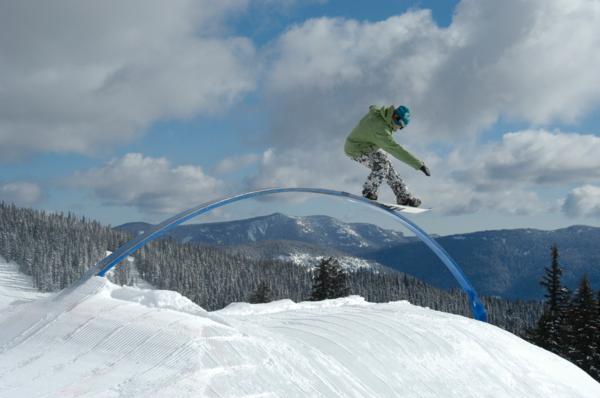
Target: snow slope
103 340
15 286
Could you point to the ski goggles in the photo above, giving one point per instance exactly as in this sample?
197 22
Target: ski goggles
399 123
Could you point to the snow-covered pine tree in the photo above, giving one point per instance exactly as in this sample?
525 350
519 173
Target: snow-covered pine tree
340 280
262 294
321 282
582 331
55 249
596 368
549 332
331 280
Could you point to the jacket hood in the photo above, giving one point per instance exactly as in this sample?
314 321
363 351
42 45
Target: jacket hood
385 112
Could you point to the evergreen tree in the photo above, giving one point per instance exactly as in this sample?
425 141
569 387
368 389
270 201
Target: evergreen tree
322 281
596 369
262 294
549 333
331 281
340 283
582 331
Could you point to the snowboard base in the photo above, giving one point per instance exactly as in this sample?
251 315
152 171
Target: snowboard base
404 209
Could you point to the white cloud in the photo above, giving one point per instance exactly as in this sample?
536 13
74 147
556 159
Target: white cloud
327 71
583 201
21 193
534 61
531 60
327 54
531 156
278 5
298 168
231 164
152 185
456 198
76 75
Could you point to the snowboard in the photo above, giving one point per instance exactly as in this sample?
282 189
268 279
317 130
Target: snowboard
404 209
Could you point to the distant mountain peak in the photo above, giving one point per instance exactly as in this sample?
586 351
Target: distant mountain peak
318 230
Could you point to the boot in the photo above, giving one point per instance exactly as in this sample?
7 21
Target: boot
409 201
369 195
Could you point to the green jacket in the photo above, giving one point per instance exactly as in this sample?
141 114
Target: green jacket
373 132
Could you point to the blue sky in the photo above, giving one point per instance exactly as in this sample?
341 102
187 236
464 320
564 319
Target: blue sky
128 111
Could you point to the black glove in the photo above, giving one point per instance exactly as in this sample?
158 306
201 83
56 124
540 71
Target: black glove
425 170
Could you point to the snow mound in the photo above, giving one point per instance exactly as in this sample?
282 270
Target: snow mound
160 299
102 340
288 305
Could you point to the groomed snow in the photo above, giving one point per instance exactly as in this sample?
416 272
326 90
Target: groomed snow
106 341
15 286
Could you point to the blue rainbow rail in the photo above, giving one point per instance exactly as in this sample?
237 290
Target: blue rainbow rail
107 263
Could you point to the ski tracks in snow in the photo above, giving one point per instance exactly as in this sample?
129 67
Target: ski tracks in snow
105 341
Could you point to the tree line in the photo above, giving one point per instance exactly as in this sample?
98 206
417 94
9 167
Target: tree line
570 323
53 248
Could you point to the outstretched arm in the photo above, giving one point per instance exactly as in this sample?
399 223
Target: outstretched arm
387 143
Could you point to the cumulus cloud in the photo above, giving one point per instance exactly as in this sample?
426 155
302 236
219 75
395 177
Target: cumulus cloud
583 201
298 168
21 193
76 76
534 61
531 156
453 197
152 185
327 71
231 164
512 58
508 175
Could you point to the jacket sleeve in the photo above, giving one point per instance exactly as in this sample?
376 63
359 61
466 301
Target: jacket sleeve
385 141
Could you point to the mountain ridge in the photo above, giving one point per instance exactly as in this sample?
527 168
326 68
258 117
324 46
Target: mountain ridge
500 262
321 230
506 263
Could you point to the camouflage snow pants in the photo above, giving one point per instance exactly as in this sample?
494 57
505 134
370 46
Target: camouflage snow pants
382 168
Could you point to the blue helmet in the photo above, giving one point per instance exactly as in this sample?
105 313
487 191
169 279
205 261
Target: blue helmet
402 116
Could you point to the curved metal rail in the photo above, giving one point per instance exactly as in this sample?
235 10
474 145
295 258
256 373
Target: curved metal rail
107 263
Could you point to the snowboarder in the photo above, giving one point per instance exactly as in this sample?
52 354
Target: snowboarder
366 145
